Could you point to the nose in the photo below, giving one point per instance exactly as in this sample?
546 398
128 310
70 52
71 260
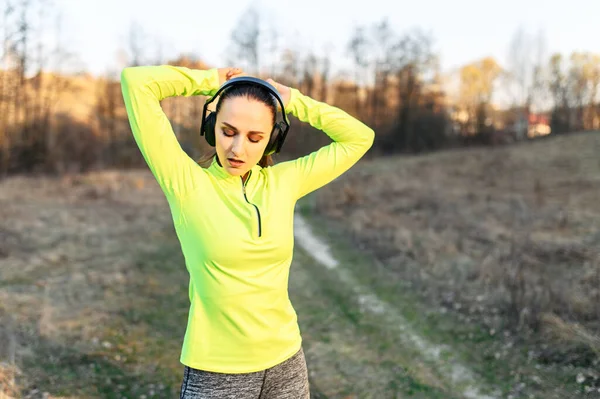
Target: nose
237 147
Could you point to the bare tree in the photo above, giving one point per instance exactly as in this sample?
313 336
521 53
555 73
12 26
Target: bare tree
358 49
519 76
558 87
382 41
5 81
21 101
27 93
578 87
136 43
538 92
290 72
270 46
245 40
309 74
58 58
38 83
519 68
411 58
17 52
524 76
325 70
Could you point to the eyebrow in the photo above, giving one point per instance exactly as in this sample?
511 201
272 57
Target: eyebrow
235 129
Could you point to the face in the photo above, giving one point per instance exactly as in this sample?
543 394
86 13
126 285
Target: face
242 132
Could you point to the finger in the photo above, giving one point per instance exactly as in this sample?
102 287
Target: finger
235 73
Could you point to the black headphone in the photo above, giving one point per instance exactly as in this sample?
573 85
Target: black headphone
280 130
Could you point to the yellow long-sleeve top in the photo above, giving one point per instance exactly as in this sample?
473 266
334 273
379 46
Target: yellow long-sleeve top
237 239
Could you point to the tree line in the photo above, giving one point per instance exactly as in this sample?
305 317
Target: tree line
395 84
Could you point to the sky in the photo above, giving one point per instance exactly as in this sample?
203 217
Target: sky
463 30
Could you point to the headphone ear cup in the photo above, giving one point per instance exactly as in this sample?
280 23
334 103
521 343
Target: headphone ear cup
209 128
276 134
281 127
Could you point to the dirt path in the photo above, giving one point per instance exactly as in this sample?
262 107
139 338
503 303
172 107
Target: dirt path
439 361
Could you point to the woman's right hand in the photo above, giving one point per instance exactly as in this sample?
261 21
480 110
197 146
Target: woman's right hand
284 91
229 73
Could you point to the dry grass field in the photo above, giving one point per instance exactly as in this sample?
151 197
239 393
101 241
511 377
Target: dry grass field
492 252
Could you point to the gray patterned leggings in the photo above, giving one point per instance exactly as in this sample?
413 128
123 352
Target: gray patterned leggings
287 380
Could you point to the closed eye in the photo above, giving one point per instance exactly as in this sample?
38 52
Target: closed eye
230 133
254 141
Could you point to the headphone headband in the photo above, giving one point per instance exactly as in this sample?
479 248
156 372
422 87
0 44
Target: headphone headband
254 81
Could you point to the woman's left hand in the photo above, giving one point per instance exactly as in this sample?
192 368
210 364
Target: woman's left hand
226 74
284 91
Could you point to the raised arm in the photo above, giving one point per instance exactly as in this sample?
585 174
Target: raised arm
143 88
351 140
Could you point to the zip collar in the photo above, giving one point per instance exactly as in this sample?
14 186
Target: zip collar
217 170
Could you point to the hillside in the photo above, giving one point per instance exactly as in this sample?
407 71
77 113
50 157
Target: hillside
507 239
459 273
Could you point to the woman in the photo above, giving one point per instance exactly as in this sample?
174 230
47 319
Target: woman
234 220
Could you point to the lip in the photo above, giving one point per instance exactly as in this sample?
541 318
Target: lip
234 162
